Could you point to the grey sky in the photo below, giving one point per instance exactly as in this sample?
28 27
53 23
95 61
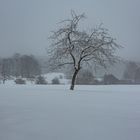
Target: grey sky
26 24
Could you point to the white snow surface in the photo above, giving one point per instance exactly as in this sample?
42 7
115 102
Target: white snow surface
50 112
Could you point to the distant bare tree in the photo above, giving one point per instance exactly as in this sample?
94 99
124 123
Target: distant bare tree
16 65
85 77
29 66
110 79
130 70
5 69
137 76
72 46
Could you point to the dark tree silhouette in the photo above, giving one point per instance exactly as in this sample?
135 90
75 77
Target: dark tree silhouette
5 69
110 79
72 46
130 70
29 66
137 76
85 77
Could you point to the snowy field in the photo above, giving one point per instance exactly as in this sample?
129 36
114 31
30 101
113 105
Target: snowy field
30 112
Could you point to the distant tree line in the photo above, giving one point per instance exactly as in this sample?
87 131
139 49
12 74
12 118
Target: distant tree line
25 66
132 72
131 75
28 66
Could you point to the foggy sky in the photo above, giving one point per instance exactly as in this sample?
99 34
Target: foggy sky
25 25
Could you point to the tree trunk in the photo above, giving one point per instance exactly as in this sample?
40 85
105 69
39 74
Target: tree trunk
74 79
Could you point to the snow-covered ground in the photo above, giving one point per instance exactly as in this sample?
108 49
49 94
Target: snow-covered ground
31 112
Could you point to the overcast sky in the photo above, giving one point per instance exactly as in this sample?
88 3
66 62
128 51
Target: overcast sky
25 25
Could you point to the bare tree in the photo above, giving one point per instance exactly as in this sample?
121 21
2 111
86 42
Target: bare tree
72 46
5 69
130 70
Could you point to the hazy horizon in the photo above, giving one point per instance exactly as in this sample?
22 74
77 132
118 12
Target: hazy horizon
26 25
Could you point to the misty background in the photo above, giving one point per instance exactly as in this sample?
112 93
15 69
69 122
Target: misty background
25 25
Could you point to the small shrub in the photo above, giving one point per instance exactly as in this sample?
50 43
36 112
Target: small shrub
41 80
55 81
20 81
